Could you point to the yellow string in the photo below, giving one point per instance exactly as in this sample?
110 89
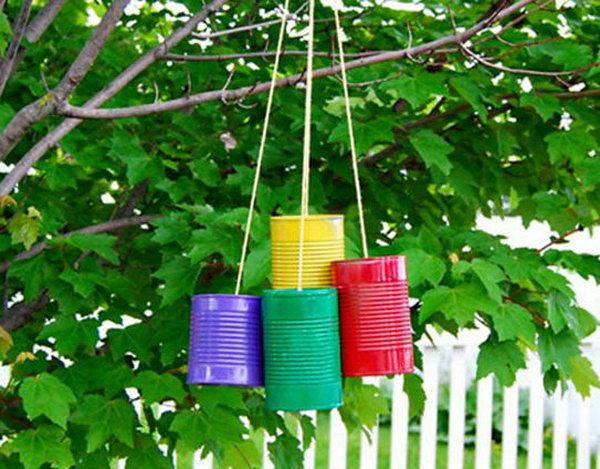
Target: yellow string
307 129
261 148
361 216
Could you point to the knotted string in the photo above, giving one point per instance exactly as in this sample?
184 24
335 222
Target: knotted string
261 148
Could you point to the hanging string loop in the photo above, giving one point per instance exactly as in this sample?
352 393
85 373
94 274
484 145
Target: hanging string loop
262 145
361 216
307 138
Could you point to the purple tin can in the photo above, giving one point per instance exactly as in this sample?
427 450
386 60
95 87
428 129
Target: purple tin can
226 340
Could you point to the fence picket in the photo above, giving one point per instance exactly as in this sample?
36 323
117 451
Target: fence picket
559 433
510 426
428 443
399 438
583 433
483 437
338 441
535 439
368 449
456 431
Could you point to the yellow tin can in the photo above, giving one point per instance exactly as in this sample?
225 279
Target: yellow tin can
323 244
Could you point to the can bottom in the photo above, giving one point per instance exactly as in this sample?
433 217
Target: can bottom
237 375
379 362
294 397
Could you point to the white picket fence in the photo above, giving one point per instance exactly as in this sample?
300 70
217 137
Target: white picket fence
453 361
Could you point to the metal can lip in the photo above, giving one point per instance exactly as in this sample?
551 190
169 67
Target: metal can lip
225 301
287 218
369 270
292 292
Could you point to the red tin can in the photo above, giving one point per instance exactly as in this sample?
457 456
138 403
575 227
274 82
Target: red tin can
376 335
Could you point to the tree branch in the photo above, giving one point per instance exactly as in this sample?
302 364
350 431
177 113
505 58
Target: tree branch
240 93
519 71
51 139
19 314
36 111
19 29
112 225
253 55
564 236
43 19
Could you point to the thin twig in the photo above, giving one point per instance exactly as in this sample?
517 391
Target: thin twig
141 64
19 26
146 109
521 71
42 107
112 225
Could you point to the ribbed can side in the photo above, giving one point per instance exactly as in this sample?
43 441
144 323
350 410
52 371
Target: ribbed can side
323 244
226 340
302 349
376 333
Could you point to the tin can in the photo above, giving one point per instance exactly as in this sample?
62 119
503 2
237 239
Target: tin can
323 243
302 349
226 340
376 333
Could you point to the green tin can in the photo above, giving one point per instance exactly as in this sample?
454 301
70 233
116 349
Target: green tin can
302 349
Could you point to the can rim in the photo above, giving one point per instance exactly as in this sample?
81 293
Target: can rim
304 292
307 217
224 296
367 259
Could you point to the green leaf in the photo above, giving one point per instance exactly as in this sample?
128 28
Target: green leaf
417 90
156 388
35 273
366 134
24 229
589 171
471 93
583 375
413 387
47 395
172 228
258 265
147 456
105 418
512 321
364 401
433 149
101 244
42 445
568 54
207 171
573 145
82 285
490 275
71 333
286 453
423 266
557 348
179 276
459 304
192 428
503 359
213 396
242 455
546 106
128 149
137 339
218 237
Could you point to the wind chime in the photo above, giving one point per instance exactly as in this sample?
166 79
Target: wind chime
325 316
